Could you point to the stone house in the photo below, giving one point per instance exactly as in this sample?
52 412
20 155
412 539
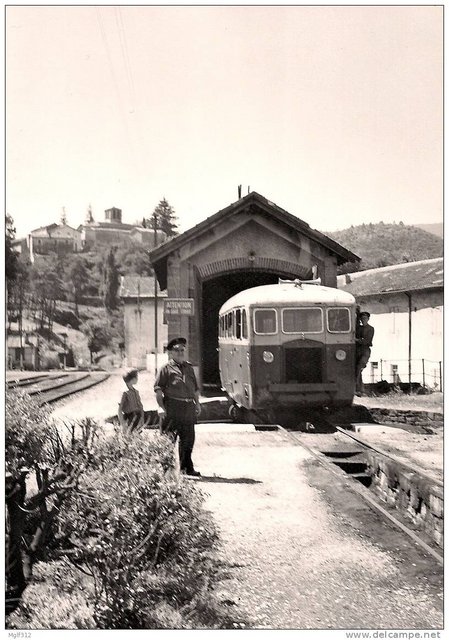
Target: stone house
406 306
58 238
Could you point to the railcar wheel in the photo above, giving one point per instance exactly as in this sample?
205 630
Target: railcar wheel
234 413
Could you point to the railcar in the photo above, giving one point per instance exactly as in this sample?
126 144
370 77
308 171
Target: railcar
287 346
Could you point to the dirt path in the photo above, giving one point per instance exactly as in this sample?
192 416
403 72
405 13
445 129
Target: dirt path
297 562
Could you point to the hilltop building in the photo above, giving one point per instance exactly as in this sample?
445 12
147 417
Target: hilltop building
58 238
63 239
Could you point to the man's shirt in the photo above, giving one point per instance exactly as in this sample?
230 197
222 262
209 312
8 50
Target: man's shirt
177 380
365 333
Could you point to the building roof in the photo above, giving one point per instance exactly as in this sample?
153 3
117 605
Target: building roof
139 287
144 230
409 276
159 255
54 230
115 226
13 340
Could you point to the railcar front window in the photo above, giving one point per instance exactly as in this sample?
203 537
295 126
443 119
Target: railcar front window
338 320
304 320
265 321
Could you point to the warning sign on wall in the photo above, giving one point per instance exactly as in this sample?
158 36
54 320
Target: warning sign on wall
178 306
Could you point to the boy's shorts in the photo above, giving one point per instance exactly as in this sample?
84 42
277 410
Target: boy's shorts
132 418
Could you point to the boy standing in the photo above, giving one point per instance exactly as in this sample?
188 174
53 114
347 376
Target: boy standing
130 410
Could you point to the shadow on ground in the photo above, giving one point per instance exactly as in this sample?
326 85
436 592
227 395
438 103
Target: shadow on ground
227 480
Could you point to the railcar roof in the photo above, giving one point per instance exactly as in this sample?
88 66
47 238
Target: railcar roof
287 293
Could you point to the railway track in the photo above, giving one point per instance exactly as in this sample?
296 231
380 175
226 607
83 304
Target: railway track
52 388
347 457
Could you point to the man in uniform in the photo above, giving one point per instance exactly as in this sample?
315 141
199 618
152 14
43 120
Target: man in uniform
364 341
177 394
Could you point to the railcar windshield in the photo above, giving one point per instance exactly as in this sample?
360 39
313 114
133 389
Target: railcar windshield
265 321
338 320
302 320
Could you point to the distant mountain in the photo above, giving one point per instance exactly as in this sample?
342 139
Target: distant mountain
380 245
436 228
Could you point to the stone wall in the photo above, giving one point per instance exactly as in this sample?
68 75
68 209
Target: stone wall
418 418
417 497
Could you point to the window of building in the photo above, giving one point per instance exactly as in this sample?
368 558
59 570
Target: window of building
265 321
338 320
394 374
302 320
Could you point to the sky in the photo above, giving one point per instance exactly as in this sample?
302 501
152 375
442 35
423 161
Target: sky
333 112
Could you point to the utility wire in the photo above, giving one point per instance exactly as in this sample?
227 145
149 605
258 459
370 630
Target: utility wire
125 53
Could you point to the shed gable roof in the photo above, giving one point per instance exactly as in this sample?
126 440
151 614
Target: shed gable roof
408 276
160 254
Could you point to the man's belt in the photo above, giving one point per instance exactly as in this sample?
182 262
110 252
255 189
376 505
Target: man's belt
181 399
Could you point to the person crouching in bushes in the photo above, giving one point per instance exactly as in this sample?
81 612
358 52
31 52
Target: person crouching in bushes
130 410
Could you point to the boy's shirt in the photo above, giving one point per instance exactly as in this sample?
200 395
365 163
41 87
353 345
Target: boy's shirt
131 401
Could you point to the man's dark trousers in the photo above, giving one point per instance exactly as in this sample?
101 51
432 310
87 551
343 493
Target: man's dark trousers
180 421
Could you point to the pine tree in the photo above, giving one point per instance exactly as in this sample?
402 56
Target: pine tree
166 218
111 282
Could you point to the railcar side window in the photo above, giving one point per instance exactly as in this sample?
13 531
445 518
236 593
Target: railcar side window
338 320
238 324
304 320
244 324
265 321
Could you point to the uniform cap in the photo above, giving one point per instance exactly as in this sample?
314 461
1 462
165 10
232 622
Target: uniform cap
175 342
364 313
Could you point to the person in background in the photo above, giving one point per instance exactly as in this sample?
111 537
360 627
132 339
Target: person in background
177 395
364 334
130 410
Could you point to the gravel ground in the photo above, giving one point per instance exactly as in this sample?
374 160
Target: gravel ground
101 401
295 562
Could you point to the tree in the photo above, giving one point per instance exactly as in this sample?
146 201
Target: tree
98 336
79 278
111 282
48 287
165 219
11 256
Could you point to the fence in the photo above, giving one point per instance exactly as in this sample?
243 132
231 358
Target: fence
428 373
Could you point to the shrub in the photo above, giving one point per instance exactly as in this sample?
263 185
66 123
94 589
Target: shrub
68 592
143 536
27 431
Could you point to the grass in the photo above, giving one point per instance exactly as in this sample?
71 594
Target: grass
405 402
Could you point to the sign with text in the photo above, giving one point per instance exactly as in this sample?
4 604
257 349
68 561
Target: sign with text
178 306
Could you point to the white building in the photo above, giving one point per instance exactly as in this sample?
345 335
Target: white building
406 306
139 300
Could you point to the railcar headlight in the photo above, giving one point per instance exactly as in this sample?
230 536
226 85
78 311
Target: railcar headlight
340 354
268 357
